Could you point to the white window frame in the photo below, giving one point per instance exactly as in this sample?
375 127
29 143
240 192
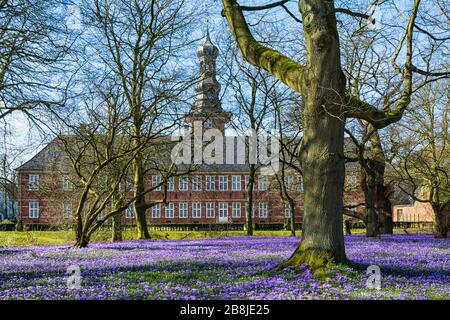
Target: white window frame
300 184
210 209
67 210
183 183
129 214
196 210
67 185
288 182
223 208
263 209
210 183
236 184
169 211
262 183
287 209
33 209
33 185
171 184
156 180
156 211
197 183
236 211
247 180
183 210
129 184
223 183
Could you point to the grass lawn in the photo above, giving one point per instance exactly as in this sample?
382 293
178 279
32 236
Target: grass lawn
232 267
35 238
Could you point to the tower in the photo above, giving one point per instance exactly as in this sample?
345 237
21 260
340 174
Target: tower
207 107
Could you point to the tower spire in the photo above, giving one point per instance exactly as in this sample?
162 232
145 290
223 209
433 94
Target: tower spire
207 104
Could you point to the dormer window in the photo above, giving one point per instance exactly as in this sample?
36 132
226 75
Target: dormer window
208 124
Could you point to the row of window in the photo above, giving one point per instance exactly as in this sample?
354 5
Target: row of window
196 210
196 183
211 183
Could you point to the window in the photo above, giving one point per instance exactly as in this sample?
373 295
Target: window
236 183
223 183
288 182
399 214
171 184
129 184
208 124
210 183
156 183
170 210
156 211
262 183
129 214
287 210
34 210
183 184
67 210
247 179
196 183
67 185
223 210
183 210
33 182
263 209
196 210
236 210
210 210
300 184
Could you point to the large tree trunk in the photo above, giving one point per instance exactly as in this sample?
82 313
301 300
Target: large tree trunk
249 209
139 205
440 223
83 241
292 218
369 188
383 205
116 227
322 154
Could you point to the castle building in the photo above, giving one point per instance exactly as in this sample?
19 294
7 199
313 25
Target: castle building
213 194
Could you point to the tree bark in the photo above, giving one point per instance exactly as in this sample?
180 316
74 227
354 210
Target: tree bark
116 228
369 188
440 223
322 85
292 218
249 209
322 154
139 205
82 242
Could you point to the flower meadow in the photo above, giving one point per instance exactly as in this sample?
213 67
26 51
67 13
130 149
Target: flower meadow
412 267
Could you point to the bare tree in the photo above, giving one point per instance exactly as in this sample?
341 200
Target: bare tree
420 148
251 89
139 42
326 106
34 45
